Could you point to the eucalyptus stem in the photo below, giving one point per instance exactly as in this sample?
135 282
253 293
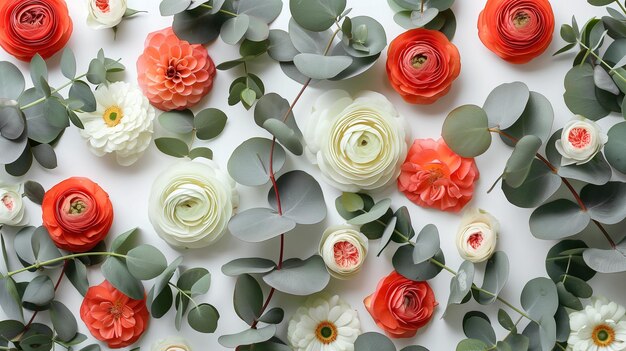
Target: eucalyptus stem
63 258
220 10
36 102
593 53
565 181
621 6
183 293
56 287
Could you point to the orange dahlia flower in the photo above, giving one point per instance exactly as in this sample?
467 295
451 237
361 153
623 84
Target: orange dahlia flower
113 317
434 176
174 74
516 30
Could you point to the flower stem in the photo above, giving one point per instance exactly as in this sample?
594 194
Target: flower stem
593 53
565 181
36 102
60 259
220 10
621 6
183 293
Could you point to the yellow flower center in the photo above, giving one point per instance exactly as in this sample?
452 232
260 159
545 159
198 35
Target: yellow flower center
603 335
113 116
418 61
326 332
521 19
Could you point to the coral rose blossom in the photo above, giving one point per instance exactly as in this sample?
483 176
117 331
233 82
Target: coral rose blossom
516 30
173 73
77 213
28 27
400 306
422 64
113 317
434 176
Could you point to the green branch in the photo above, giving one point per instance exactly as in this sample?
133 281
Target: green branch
593 53
63 258
220 10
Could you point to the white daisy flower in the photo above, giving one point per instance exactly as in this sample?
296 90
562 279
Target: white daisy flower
324 324
122 123
598 327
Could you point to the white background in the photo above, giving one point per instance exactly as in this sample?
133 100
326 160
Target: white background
481 72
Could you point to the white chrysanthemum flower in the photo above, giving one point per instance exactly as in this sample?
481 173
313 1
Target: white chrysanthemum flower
324 324
171 344
12 211
122 123
191 203
105 13
358 143
598 327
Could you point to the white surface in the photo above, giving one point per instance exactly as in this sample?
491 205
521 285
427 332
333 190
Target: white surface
481 72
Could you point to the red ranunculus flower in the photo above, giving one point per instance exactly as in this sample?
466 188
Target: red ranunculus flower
422 64
400 306
516 30
28 27
77 213
113 317
174 74
434 176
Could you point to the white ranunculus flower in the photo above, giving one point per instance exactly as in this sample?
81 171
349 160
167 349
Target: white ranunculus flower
359 143
122 123
477 235
343 248
105 13
325 324
599 327
171 344
191 204
580 141
12 212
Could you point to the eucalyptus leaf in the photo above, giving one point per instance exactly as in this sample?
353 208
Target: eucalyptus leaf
248 298
375 42
478 328
300 278
403 264
10 299
536 120
39 291
540 184
373 342
281 48
145 262
172 147
518 165
373 214
259 224
565 258
203 318
39 73
420 19
426 245
179 122
316 15
250 162
45 156
63 321
605 203
198 26
285 135
116 272
321 67
76 272
496 276
302 199
234 29
209 123
615 147
250 265
81 91
466 131
248 337
580 96
172 7
506 104
306 41
606 261
13 82
558 219
387 235
539 298
461 283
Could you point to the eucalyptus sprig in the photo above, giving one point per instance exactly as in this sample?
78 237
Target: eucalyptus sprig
429 14
34 119
124 265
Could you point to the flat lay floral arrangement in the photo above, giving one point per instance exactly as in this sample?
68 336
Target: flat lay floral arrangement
566 176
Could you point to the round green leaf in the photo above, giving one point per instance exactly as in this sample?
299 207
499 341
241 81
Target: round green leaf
259 224
466 131
281 48
172 147
97 72
249 163
461 283
403 264
316 15
115 271
373 342
44 154
471 345
605 203
248 337
198 26
172 7
615 148
299 277
248 298
39 291
285 135
204 152
539 298
302 199
540 184
375 42
536 120
209 123
179 122
420 19
566 257
321 67
426 245
68 63
63 321
12 123
606 261
478 328
234 29
496 276
307 41
195 280
506 104
251 265
145 262
76 272
264 10
580 93
82 92
13 82
558 219
518 166
203 318
373 214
